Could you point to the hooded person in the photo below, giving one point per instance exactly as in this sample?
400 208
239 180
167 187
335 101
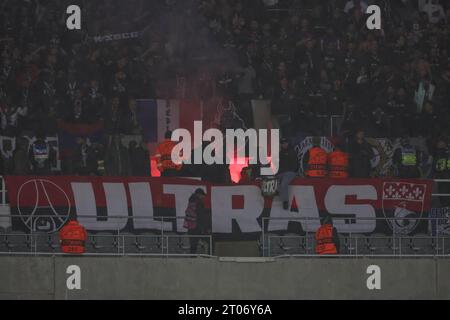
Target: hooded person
196 219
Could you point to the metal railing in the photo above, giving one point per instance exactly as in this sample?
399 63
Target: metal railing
103 244
117 242
397 244
356 244
176 243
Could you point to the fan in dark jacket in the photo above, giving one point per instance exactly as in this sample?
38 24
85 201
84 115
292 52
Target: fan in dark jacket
361 154
287 171
139 159
197 219
21 163
84 159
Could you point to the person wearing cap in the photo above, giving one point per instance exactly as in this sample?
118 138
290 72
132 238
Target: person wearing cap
287 171
327 238
196 219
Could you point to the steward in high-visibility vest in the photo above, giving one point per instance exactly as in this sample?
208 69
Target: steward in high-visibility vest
406 160
441 164
338 164
409 158
163 157
316 163
327 239
73 237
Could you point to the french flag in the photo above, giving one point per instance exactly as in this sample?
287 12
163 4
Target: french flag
156 116
69 132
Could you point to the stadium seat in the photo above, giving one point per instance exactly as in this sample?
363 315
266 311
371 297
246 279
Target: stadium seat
149 243
304 244
362 244
310 243
408 246
17 241
3 247
380 244
265 240
423 244
53 241
350 243
178 244
260 246
437 245
104 242
204 246
292 244
347 244
446 244
41 242
128 242
274 245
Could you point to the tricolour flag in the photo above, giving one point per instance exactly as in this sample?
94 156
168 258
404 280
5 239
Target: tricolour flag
69 132
156 116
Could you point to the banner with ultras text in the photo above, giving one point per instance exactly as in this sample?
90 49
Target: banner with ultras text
139 204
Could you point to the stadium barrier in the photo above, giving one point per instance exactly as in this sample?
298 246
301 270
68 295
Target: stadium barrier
359 244
119 243
52 277
165 243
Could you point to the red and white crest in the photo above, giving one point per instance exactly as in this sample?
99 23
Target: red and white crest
405 202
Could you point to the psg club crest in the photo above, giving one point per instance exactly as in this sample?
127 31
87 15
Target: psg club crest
403 205
43 206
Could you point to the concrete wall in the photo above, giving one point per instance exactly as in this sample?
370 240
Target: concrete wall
211 278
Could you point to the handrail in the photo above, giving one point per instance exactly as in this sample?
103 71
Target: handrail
162 219
31 240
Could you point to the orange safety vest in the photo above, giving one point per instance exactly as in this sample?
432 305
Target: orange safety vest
317 163
73 237
338 164
164 156
324 240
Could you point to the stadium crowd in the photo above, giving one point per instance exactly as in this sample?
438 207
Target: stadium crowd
311 59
